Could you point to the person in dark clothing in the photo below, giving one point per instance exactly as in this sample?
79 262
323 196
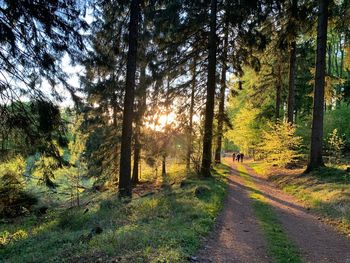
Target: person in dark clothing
242 156
238 157
233 157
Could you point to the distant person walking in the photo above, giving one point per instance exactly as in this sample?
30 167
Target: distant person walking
233 157
242 156
238 157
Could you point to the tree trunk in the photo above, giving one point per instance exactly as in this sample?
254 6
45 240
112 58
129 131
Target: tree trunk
137 154
292 64
164 165
341 59
278 102
291 85
209 107
341 66
336 64
222 100
329 68
138 123
190 125
125 149
316 159
278 92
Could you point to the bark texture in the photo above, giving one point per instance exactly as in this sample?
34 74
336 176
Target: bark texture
221 113
316 159
209 107
125 149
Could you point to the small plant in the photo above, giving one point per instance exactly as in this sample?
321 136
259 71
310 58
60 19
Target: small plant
335 145
280 145
14 200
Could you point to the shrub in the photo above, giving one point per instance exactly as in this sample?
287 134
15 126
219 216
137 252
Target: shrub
14 201
339 119
280 145
334 146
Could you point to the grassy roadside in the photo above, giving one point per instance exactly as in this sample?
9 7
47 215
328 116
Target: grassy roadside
326 192
163 227
279 247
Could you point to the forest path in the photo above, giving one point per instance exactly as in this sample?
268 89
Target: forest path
237 236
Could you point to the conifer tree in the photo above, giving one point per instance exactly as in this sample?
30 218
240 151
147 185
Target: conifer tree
221 113
316 159
191 112
34 37
125 148
292 63
211 82
104 84
141 108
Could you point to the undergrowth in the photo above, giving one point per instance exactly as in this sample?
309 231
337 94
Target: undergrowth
325 191
163 227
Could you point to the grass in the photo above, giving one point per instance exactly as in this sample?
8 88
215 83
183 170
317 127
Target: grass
164 227
259 167
326 192
279 247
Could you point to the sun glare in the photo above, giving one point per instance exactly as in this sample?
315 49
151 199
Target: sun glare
158 123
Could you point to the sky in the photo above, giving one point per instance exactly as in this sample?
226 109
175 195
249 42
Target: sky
74 73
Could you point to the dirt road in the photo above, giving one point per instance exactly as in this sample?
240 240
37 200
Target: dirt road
237 236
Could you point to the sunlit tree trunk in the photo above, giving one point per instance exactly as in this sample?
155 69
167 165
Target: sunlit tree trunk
125 149
209 107
222 99
316 159
190 125
137 156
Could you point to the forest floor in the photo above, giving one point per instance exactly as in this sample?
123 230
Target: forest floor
164 222
260 223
